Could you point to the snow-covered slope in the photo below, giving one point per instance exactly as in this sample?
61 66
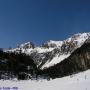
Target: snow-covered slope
52 52
79 81
55 60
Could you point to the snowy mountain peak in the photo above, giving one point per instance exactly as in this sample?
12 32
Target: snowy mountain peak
80 37
76 40
53 44
27 45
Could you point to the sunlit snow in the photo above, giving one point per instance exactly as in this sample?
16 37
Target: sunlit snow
79 81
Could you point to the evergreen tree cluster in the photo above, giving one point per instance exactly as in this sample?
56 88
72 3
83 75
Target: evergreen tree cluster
16 65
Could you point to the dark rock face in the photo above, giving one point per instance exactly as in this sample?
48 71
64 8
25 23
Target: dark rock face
77 62
88 40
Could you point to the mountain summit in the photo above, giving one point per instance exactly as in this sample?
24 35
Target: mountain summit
52 52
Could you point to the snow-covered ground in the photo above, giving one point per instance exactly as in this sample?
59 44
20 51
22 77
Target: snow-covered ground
79 81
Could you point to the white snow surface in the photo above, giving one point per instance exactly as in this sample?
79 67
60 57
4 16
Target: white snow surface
31 50
43 50
79 81
80 38
57 43
55 60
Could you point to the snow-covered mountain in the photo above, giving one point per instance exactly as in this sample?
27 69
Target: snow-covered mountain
52 52
64 61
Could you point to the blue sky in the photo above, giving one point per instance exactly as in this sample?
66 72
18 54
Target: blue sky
41 20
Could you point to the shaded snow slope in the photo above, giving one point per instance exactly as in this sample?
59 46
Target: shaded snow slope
79 81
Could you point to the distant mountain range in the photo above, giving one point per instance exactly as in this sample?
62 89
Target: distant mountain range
52 52
52 59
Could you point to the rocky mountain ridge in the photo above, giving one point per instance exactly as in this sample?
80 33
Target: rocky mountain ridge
77 62
52 52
